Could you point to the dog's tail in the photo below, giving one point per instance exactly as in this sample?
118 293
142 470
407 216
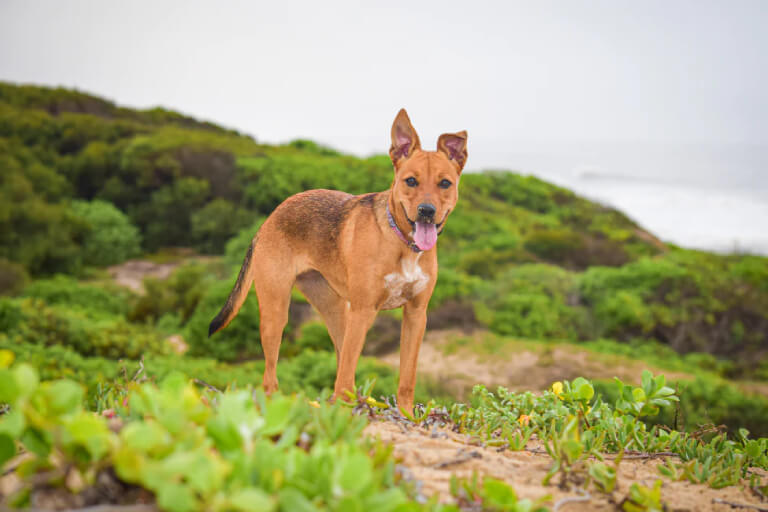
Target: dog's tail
238 294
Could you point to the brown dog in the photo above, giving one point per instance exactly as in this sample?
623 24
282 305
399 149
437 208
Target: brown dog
352 256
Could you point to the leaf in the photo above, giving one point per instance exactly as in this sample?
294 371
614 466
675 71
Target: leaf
6 358
176 498
145 437
9 389
65 396
498 493
354 472
224 433
252 500
26 378
91 432
7 449
277 415
174 383
129 464
583 389
12 423
572 450
291 500
36 441
350 503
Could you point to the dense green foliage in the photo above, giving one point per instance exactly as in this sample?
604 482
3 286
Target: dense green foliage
198 452
309 371
111 238
577 426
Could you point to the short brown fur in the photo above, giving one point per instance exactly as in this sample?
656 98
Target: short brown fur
341 253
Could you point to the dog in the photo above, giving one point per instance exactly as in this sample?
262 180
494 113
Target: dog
352 256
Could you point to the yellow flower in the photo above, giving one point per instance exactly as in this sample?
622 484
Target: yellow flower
524 420
314 403
557 389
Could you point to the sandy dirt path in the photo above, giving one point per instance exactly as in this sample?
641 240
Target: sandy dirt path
433 456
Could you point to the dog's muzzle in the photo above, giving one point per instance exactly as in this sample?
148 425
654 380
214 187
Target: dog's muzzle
426 213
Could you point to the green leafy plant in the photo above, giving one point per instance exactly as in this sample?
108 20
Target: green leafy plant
645 400
644 499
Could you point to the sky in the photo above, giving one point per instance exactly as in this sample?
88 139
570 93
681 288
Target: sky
667 92
508 72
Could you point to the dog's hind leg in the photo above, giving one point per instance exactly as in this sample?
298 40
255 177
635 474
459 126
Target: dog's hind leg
273 288
331 306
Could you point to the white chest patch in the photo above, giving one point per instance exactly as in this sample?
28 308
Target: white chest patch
406 284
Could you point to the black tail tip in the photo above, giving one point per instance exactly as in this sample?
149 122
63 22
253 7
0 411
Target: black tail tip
215 325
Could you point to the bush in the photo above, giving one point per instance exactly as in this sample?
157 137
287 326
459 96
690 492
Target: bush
215 223
111 238
237 246
239 341
706 401
309 372
575 250
536 302
13 277
67 292
31 321
178 295
689 300
314 336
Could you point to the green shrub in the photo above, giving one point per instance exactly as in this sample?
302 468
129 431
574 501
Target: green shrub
166 220
179 294
692 301
111 238
13 277
31 321
706 401
239 341
68 292
456 286
313 335
215 223
37 227
309 372
237 246
534 301
575 250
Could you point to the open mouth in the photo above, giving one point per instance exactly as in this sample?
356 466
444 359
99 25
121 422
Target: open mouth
424 232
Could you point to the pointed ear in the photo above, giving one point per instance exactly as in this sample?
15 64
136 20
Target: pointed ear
404 139
454 145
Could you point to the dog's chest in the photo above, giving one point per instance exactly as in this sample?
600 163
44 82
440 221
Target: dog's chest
404 285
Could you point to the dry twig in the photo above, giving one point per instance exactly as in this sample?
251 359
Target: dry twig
740 505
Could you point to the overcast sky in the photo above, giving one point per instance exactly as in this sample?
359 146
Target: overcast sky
509 72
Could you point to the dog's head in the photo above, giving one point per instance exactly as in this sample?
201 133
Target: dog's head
426 183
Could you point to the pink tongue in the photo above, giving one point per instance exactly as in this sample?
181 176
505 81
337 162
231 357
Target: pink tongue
425 236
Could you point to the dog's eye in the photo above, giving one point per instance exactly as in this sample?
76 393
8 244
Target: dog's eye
445 184
411 182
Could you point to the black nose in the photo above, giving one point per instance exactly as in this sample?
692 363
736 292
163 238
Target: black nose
426 210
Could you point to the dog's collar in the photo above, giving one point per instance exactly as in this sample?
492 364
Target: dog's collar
410 243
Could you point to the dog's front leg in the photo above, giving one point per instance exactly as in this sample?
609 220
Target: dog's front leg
359 320
411 334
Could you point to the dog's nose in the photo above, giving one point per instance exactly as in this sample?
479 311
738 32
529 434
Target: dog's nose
426 210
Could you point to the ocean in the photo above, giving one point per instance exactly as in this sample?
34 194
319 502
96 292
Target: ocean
704 196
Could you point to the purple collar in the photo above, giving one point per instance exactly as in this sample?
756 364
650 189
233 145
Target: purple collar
411 244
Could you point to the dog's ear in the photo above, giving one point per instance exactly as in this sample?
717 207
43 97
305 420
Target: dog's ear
405 141
454 145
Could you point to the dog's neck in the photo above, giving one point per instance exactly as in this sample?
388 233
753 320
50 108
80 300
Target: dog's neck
393 224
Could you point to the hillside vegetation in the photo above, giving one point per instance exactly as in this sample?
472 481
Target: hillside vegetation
86 185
